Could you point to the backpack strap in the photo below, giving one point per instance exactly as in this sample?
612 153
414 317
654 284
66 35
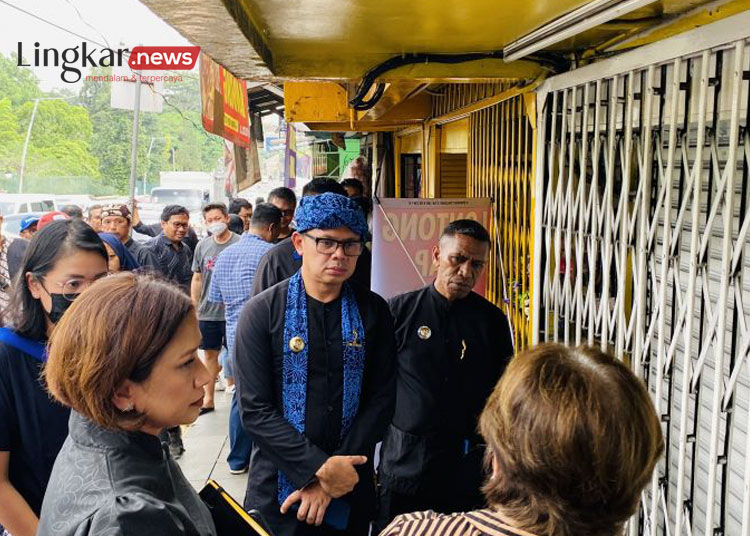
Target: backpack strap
35 349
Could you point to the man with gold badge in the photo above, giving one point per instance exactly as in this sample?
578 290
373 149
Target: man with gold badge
315 370
453 346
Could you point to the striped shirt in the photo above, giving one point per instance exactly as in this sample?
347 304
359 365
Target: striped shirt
476 523
4 273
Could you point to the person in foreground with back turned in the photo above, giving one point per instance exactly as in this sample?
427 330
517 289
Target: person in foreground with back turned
572 440
124 386
315 369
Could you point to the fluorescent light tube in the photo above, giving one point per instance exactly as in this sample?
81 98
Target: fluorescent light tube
579 20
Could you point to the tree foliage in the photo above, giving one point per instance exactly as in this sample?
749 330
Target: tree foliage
17 84
83 136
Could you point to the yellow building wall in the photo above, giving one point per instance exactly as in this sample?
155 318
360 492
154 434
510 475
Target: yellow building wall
455 137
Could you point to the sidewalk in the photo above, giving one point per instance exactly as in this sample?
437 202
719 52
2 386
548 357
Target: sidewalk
206 448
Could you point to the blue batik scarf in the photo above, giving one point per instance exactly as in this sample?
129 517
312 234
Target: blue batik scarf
294 382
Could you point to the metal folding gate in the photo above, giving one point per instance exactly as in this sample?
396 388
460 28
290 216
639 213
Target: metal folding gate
643 247
501 151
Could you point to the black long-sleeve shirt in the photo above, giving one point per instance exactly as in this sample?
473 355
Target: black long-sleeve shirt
450 356
143 255
175 264
191 238
277 445
281 263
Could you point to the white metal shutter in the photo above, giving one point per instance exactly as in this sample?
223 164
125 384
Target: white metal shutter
642 237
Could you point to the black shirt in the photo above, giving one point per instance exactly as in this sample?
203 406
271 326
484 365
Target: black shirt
444 379
276 444
108 482
142 254
33 427
281 262
191 239
16 251
173 263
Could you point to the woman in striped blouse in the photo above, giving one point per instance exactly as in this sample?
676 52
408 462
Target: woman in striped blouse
572 439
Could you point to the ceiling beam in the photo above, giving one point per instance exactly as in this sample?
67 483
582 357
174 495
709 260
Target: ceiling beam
208 24
395 93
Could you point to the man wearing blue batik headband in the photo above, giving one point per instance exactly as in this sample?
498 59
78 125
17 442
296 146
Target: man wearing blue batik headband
315 360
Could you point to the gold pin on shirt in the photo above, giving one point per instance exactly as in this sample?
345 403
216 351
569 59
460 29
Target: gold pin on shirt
463 349
424 333
296 345
355 342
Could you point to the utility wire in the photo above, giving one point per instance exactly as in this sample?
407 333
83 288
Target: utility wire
42 19
48 22
80 17
164 97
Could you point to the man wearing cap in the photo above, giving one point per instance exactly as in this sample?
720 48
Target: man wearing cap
28 227
49 217
116 219
315 372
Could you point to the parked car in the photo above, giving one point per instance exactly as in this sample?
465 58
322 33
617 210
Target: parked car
20 203
82 201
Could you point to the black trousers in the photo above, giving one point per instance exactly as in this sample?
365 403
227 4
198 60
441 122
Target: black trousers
451 485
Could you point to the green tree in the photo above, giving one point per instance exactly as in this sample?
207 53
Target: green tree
10 137
176 131
60 140
16 83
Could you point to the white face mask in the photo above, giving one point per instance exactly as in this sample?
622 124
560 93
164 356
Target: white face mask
217 228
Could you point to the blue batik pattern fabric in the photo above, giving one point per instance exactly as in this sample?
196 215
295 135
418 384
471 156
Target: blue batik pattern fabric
294 381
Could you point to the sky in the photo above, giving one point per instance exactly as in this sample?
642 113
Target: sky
124 24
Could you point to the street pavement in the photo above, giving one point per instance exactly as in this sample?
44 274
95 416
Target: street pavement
206 447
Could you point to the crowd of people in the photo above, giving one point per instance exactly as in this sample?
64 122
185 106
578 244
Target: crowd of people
100 366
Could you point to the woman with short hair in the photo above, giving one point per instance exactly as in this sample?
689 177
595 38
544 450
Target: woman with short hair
61 261
125 385
572 440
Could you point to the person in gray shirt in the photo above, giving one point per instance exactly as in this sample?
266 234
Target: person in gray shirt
211 314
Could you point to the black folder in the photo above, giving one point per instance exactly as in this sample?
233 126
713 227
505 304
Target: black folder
229 516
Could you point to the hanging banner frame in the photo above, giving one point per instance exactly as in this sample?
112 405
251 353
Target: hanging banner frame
404 233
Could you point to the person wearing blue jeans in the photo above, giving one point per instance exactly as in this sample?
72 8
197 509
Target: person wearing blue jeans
240 443
231 285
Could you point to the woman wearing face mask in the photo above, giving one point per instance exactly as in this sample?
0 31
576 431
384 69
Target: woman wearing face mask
210 314
120 259
62 260
125 386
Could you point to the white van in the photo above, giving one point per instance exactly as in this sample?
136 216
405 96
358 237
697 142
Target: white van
22 203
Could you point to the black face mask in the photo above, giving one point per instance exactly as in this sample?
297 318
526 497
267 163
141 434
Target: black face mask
60 304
